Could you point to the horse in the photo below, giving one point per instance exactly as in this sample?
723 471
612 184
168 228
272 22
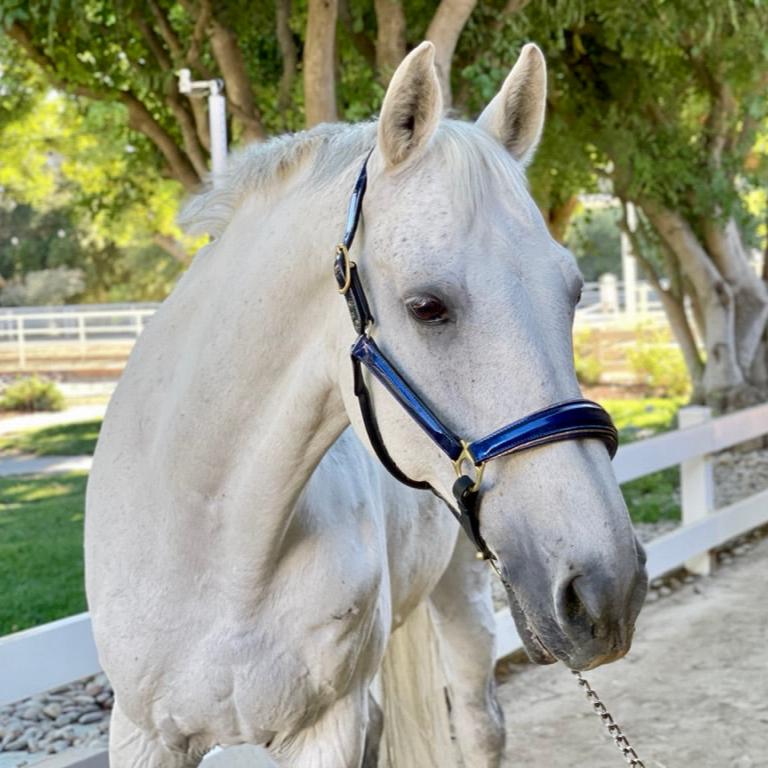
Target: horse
251 566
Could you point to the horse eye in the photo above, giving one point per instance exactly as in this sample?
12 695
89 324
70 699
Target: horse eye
428 309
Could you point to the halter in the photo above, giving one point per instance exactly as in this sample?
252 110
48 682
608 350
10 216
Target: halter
569 420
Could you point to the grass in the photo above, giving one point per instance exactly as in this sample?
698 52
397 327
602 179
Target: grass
61 440
655 497
41 549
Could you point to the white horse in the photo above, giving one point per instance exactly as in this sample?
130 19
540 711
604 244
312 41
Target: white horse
247 561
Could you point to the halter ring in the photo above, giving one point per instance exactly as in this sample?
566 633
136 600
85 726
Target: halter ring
465 455
341 250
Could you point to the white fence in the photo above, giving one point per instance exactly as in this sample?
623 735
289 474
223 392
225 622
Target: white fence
78 325
73 325
44 657
607 303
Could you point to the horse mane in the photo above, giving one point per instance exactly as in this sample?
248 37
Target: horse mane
257 167
482 168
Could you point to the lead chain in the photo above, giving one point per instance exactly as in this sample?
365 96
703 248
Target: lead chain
627 750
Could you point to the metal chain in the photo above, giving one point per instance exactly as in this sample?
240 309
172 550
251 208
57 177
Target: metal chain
627 750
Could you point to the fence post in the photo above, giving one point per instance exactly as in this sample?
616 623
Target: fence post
643 289
609 293
697 489
20 341
81 334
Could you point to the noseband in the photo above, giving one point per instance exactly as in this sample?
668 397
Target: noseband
569 420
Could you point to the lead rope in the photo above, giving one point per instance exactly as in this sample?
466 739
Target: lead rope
614 729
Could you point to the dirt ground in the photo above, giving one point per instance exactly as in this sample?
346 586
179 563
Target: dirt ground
692 693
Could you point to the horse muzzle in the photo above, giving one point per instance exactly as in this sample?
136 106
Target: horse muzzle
590 620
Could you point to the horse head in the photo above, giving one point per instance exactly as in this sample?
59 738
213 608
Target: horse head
475 301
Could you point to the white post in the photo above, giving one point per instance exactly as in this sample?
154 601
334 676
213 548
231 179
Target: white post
21 342
697 490
217 117
81 333
217 121
643 290
609 293
629 265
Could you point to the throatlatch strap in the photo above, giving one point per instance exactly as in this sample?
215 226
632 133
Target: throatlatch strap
374 435
466 499
467 502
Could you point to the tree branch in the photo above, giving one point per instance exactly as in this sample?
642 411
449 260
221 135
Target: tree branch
229 57
167 32
360 40
173 99
444 30
141 119
288 53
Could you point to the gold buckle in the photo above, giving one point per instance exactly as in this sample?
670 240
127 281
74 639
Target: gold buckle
465 455
342 249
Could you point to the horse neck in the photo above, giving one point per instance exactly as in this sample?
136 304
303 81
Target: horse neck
270 341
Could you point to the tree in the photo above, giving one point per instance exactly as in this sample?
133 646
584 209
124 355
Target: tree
128 54
76 193
666 101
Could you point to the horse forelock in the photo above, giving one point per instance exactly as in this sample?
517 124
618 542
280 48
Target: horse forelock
478 165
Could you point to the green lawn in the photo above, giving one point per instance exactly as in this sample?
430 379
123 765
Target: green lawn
653 497
62 440
41 549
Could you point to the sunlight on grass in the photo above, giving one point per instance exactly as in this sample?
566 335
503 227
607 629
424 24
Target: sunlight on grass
654 497
61 440
41 549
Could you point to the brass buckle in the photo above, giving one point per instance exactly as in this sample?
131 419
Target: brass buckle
465 455
341 250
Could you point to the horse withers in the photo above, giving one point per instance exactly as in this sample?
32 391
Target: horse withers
247 560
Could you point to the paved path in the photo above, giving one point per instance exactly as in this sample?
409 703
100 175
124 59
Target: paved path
693 692
25 464
51 418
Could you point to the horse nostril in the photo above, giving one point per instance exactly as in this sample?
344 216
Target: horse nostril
570 605
581 607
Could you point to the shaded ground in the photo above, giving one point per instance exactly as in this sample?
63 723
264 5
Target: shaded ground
693 693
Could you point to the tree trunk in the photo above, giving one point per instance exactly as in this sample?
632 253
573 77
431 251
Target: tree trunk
673 301
390 39
751 297
229 57
319 63
288 53
558 217
140 119
723 377
444 30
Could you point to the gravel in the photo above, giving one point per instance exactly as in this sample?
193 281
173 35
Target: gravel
75 715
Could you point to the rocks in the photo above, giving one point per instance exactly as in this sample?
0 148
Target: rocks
75 715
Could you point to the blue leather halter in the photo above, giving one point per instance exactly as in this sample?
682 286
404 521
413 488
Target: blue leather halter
570 420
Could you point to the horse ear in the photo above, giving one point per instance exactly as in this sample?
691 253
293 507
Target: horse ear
515 116
412 107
